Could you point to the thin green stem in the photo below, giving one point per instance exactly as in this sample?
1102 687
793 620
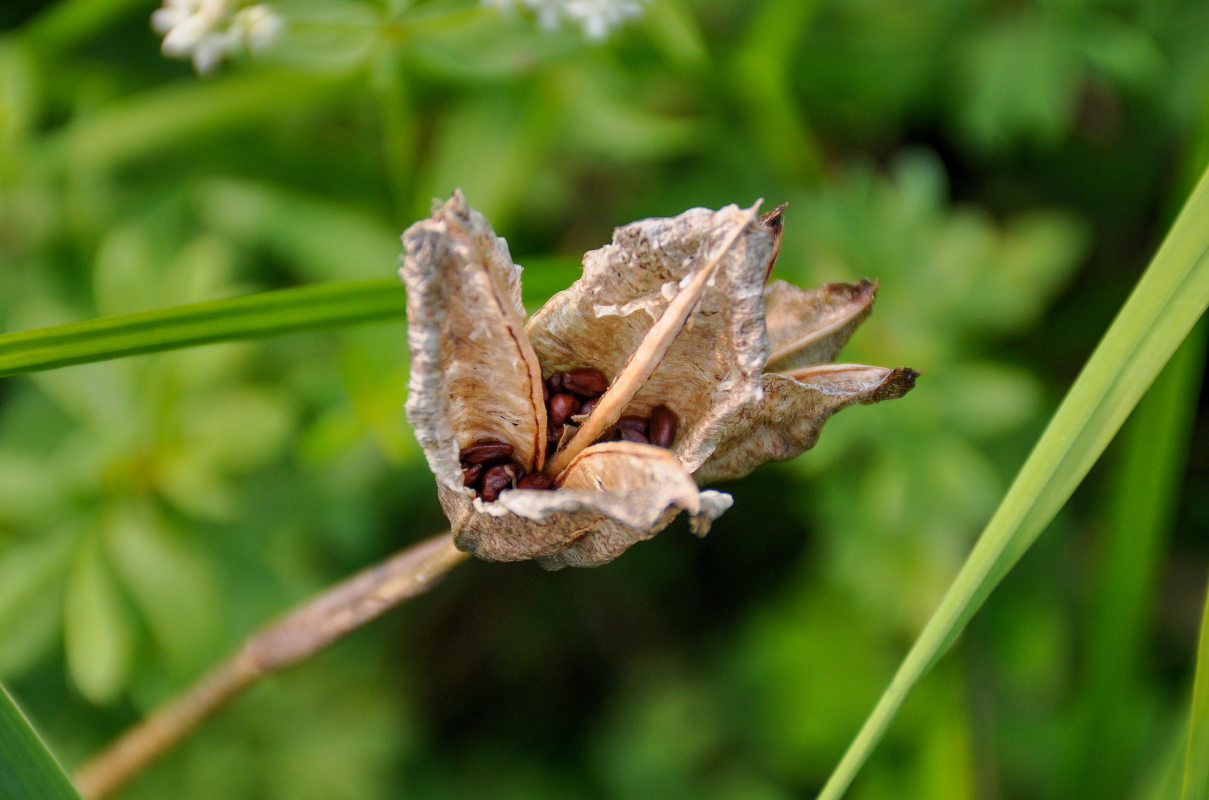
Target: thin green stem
246 317
1172 294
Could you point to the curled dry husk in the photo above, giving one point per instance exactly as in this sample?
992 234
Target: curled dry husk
476 374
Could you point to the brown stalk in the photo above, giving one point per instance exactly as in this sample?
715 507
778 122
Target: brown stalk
646 358
295 637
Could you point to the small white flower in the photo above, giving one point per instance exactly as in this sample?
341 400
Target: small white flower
208 31
596 18
259 26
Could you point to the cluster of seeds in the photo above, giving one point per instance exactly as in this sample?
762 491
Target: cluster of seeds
568 394
488 466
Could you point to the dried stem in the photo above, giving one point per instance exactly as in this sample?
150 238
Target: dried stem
298 635
646 358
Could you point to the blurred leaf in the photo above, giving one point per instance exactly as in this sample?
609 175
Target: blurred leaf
604 120
1124 53
29 489
123 273
321 239
492 169
673 30
195 487
30 574
760 78
1038 253
469 48
1196 759
1170 297
27 769
97 628
236 429
167 117
327 35
1016 79
169 582
250 316
990 399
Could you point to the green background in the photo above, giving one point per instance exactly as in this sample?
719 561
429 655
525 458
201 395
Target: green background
1005 170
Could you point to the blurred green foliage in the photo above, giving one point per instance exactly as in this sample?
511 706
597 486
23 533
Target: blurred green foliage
1003 169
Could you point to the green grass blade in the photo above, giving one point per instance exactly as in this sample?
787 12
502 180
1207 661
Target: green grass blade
246 317
1196 757
27 769
1141 501
1168 300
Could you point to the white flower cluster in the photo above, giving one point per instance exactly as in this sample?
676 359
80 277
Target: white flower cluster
595 17
208 31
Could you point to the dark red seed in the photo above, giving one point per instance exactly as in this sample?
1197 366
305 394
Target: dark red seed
486 451
535 480
562 405
588 405
586 382
546 393
663 426
628 435
554 434
632 423
555 382
471 473
496 479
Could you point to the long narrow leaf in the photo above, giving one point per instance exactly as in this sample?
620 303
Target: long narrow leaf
1141 500
1171 296
1196 758
246 317
27 769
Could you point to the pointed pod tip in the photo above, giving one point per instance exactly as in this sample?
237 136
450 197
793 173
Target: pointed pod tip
900 381
774 219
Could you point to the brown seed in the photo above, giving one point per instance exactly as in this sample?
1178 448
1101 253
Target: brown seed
562 405
471 473
496 479
535 480
588 405
663 426
630 435
554 435
555 382
483 452
546 393
633 423
586 382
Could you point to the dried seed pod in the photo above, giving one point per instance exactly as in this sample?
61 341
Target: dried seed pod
810 326
611 496
485 451
713 366
674 309
663 426
474 375
795 406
